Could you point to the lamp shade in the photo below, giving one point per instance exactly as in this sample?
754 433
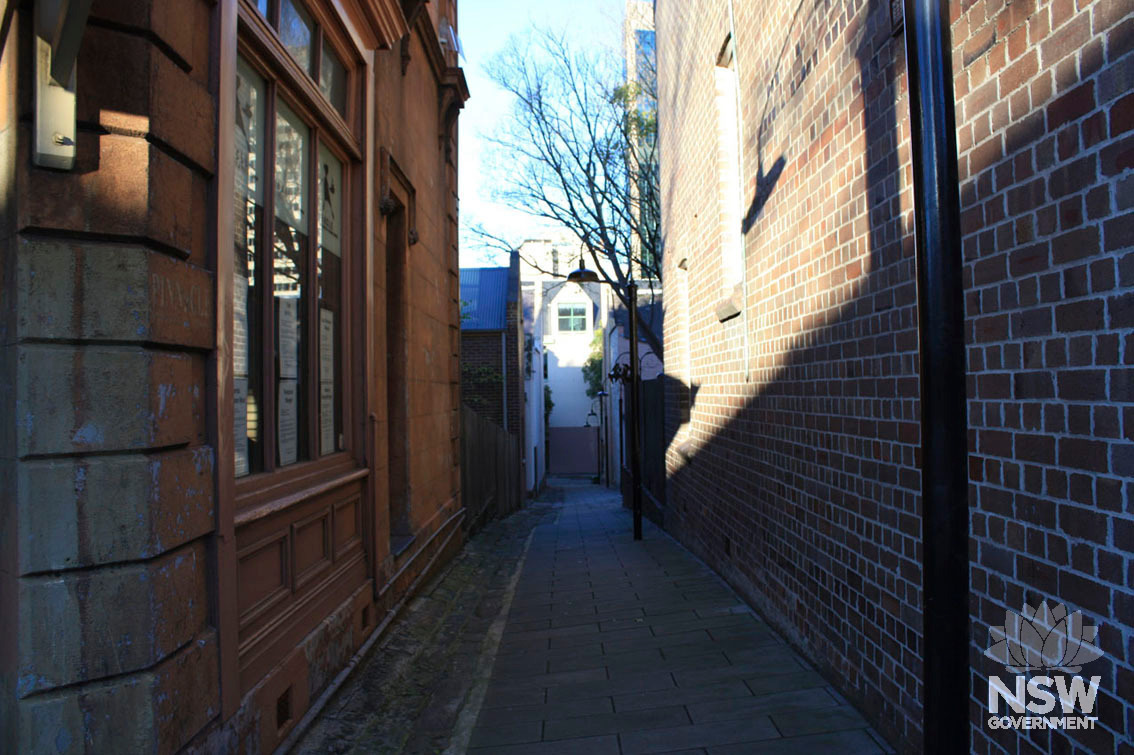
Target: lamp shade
583 275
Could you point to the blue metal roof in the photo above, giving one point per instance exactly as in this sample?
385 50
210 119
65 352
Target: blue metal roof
484 294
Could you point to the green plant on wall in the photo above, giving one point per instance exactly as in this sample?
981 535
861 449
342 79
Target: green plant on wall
548 404
475 380
592 368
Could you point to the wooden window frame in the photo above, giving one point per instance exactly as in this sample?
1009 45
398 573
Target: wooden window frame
275 488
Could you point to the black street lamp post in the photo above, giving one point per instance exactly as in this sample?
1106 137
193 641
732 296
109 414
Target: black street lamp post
603 461
626 374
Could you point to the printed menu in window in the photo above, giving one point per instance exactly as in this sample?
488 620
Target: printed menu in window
240 424
289 337
287 422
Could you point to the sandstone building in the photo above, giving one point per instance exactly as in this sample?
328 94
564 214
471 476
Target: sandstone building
229 371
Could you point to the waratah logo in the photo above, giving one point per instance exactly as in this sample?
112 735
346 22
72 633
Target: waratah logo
1044 638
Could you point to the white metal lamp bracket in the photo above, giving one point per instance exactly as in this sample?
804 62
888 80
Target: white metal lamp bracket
59 28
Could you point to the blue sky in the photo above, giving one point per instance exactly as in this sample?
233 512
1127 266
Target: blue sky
484 27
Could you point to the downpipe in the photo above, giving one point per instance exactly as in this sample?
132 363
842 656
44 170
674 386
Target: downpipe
941 342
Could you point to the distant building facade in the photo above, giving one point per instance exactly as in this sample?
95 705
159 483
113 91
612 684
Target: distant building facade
639 60
535 398
791 331
492 344
229 374
567 317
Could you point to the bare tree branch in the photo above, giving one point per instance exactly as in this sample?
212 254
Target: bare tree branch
580 150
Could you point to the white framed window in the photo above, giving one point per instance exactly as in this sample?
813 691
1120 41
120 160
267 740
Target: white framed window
728 171
572 318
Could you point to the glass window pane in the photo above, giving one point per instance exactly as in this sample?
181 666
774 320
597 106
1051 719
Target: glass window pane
329 265
572 317
289 287
296 33
333 79
248 222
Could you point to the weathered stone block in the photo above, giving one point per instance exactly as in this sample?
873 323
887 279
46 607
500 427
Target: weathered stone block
87 625
8 610
182 26
9 113
127 84
157 711
103 398
81 291
122 186
78 512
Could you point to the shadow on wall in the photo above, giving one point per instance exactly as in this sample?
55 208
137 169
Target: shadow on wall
807 497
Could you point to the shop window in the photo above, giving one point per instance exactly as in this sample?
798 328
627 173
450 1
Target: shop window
293 167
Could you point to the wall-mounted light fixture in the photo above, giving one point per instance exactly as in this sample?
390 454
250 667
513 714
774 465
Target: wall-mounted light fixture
59 28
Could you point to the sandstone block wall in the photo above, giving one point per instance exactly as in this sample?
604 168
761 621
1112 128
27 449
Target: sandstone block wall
108 474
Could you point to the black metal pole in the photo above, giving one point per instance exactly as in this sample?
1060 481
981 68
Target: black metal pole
944 451
604 463
635 417
598 449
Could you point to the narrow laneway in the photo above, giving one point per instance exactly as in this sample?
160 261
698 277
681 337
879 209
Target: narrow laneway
616 646
608 646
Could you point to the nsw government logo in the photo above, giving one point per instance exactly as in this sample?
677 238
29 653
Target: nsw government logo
1044 649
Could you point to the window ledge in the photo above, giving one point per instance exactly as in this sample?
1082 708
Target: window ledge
252 513
728 308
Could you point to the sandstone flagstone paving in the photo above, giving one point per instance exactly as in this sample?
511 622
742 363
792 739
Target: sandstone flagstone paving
608 646
632 647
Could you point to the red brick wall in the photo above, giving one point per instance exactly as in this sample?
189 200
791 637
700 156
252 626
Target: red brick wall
1045 114
795 474
514 346
795 469
483 373
482 376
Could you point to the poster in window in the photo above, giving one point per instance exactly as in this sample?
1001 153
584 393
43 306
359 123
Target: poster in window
240 325
326 345
327 418
240 424
329 187
288 337
287 422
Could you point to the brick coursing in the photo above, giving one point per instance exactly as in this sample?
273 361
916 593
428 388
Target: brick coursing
492 383
795 472
484 372
793 428
482 376
514 346
1045 155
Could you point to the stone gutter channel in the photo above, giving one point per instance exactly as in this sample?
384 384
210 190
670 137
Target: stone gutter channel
415 687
